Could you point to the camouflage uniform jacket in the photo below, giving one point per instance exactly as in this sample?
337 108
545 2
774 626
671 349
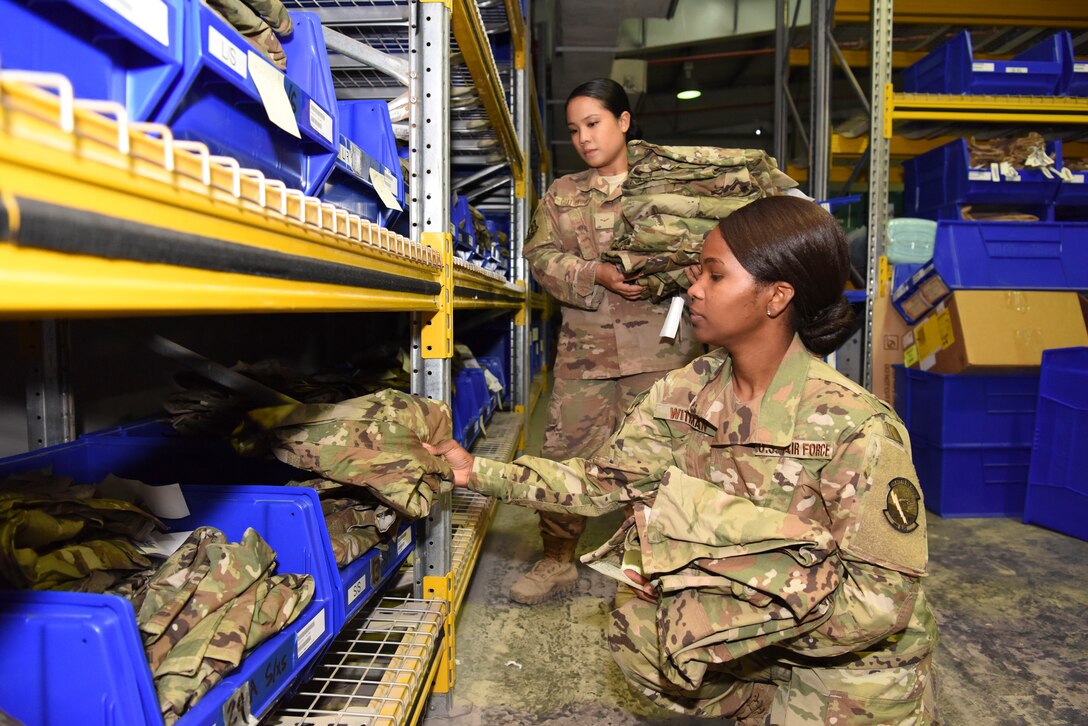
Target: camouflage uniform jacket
795 520
603 334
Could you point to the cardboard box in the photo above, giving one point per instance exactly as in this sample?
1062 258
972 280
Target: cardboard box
887 350
994 331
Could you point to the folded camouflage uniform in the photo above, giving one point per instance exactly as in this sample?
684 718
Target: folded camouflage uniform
373 441
56 535
211 603
355 522
673 196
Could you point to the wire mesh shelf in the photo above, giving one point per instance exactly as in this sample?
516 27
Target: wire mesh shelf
374 671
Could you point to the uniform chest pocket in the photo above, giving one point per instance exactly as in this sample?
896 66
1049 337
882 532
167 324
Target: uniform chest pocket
577 223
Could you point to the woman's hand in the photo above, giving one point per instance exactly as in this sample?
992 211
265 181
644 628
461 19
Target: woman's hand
692 272
644 591
610 277
457 457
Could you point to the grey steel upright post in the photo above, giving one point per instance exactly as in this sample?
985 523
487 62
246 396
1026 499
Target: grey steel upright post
819 160
49 410
879 163
430 213
781 77
519 226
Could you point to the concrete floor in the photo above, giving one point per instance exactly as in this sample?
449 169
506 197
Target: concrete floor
1011 600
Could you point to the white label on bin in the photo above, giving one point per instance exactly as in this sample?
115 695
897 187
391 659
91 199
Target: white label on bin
227 52
150 16
404 541
310 632
979 175
982 67
385 193
1076 179
165 501
320 121
238 710
1015 69
357 589
1080 67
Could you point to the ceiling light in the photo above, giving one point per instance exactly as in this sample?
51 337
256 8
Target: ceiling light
759 131
689 89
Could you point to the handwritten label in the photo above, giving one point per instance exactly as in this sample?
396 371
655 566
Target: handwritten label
226 51
979 176
238 710
357 589
1080 67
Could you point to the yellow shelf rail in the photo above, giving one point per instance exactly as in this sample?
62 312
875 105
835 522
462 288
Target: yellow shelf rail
981 109
103 216
1052 14
472 39
477 288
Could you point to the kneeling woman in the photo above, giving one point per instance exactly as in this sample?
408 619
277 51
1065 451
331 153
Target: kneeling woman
779 537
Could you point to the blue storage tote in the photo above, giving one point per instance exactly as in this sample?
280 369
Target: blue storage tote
289 519
1078 79
936 181
1057 488
216 101
153 452
464 233
974 410
1072 192
972 481
470 400
129 53
367 146
1042 70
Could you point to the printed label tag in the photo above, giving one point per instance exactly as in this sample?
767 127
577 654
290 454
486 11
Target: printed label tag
1077 179
310 633
320 121
404 541
979 176
982 67
228 52
910 356
944 327
357 589
1015 69
1080 67
150 16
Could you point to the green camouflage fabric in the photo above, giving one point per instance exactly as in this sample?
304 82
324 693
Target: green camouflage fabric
785 536
204 408
673 196
355 521
57 535
484 241
373 441
603 335
209 604
262 22
582 414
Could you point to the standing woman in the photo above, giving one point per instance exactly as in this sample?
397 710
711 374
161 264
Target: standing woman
778 541
609 347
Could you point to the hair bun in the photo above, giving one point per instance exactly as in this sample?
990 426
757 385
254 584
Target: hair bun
829 328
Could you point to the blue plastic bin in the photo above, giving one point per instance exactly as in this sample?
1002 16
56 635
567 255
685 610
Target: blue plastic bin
464 233
216 101
367 145
1072 193
130 58
938 180
1042 70
996 256
974 410
155 453
971 439
1078 79
288 518
1057 495
470 401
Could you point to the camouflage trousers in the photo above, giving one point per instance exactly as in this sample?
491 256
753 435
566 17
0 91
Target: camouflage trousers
760 690
582 414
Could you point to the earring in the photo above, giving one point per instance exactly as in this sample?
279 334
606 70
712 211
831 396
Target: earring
769 313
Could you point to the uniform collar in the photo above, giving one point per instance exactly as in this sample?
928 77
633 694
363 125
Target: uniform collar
771 420
591 180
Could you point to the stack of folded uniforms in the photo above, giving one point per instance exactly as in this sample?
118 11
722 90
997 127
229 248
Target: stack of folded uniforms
674 196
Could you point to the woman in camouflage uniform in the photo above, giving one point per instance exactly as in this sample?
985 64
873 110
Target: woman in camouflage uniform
609 348
779 537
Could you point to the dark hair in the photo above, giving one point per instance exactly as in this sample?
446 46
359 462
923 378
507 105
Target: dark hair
612 96
789 239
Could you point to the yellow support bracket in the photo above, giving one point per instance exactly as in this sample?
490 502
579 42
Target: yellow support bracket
440 587
437 334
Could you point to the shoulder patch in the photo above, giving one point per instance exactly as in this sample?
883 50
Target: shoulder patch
902 505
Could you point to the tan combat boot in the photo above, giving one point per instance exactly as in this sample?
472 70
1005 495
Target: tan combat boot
555 574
